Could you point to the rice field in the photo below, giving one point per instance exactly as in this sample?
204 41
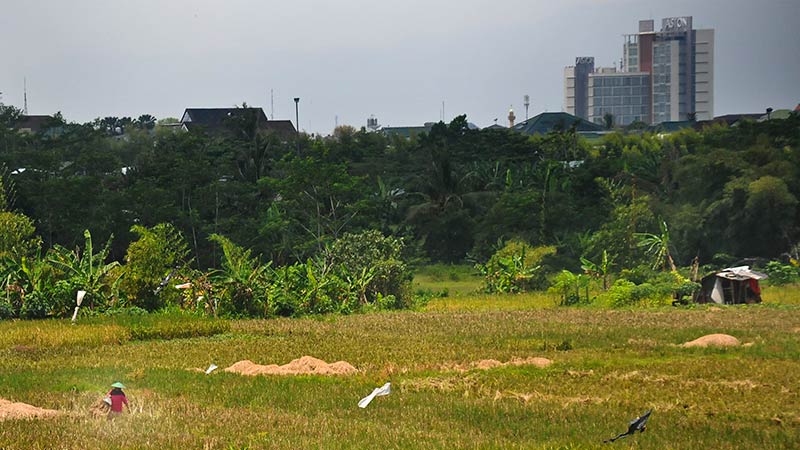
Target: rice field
609 366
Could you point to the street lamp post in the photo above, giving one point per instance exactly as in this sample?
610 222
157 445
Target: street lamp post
297 120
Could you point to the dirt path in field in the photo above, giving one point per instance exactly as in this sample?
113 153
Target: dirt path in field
11 410
714 340
307 365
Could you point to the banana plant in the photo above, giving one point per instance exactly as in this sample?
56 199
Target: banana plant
599 270
20 277
241 279
87 270
657 246
359 281
314 288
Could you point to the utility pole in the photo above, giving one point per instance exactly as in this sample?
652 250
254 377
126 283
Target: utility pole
271 105
25 95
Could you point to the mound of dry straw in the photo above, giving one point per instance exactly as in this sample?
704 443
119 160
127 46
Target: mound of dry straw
11 410
307 365
713 340
486 364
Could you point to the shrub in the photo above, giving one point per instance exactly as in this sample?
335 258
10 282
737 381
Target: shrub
309 288
657 290
6 310
639 274
780 274
388 302
625 293
372 263
282 293
34 306
569 287
514 268
159 252
62 296
17 235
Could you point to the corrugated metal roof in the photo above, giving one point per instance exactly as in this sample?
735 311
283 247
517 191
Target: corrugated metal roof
741 273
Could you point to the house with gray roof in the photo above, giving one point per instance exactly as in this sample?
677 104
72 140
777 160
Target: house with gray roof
220 121
547 122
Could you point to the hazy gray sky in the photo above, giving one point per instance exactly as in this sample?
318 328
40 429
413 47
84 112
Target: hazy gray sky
351 58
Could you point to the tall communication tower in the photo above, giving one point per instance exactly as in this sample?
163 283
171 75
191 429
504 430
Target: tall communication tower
527 103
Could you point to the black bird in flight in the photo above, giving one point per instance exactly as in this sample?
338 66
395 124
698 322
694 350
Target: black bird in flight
638 424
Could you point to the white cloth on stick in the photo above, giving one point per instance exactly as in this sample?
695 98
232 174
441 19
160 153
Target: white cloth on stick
386 389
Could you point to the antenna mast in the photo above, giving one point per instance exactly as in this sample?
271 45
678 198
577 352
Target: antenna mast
271 105
25 95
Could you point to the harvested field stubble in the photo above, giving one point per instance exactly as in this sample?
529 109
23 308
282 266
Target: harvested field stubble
619 364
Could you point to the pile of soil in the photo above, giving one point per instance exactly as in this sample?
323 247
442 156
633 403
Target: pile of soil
307 365
713 340
10 410
486 364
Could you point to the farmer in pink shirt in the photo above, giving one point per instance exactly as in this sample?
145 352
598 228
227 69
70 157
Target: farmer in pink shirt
117 398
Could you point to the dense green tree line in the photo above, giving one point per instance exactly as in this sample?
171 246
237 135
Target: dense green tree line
452 195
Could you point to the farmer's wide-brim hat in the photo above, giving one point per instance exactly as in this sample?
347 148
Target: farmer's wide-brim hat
118 385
